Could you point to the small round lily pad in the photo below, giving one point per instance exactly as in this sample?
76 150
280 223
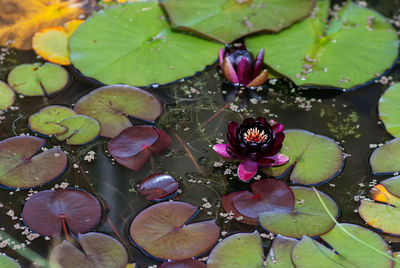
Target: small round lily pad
280 253
96 251
163 231
307 218
348 251
237 251
81 129
385 160
110 105
158 186
38 79
8 262
46 211
7 96
315 159
47 120
21 167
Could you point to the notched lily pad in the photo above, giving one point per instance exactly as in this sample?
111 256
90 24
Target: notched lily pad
21 167
96 251
134 44
81 129
315 159
8 262
47 211
163 231
324 51
307 218
47 120
158 186
385 160
237 251
386 214
348 251
226 21
110 105
134 145
7 96
280 253
227 204
38 79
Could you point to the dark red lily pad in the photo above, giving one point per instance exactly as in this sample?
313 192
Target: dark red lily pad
183 264
227 204
158 185
97 251
269 195
162 231
134 145
46 212
21 167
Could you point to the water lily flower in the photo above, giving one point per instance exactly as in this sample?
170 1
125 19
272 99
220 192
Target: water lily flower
256 142
239 68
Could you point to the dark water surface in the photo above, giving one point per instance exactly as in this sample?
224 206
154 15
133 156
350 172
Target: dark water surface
350 118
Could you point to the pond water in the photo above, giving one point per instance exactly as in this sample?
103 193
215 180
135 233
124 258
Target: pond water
194 120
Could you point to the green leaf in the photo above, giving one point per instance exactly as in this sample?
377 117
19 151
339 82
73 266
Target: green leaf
315 158
351 253
389 111
308 217
7 96
357 45
47 120
81 129
226 21
386 159
7 262
280 254
110 105
237 251
38 79
133 44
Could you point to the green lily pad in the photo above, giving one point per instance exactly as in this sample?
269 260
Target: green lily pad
96 251
389 111
47 120
133 44
226 21
7 96
162 231
237 251
315 158
7 262
110 105
355 46
386 159
21 167
38 79
280 254
385 215
81 129
350 252
308 217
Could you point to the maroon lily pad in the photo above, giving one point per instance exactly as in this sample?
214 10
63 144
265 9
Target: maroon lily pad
97 251
162 231
47 211
134 145
227 204
158 185
183 264
21 167
268 195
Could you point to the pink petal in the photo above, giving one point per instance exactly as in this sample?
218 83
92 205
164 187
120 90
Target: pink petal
247 170
221 57
276 160
259 80
276 127
221 150
229 71
244 71
259 62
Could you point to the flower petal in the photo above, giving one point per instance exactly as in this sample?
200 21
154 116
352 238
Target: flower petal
229 71
259 63
247 170
277 144
221 57
244 71
261 120
276 127
259 80
232 127
221 150
276 160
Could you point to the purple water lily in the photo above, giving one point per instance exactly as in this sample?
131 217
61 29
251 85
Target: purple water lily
256 142
239 68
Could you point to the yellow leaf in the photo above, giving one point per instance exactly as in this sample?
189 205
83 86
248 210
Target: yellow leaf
381 194
21 19
52 43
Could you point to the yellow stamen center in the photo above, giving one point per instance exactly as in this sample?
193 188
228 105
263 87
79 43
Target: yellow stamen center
254 135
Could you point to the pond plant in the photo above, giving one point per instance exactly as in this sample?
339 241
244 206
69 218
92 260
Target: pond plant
121 145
